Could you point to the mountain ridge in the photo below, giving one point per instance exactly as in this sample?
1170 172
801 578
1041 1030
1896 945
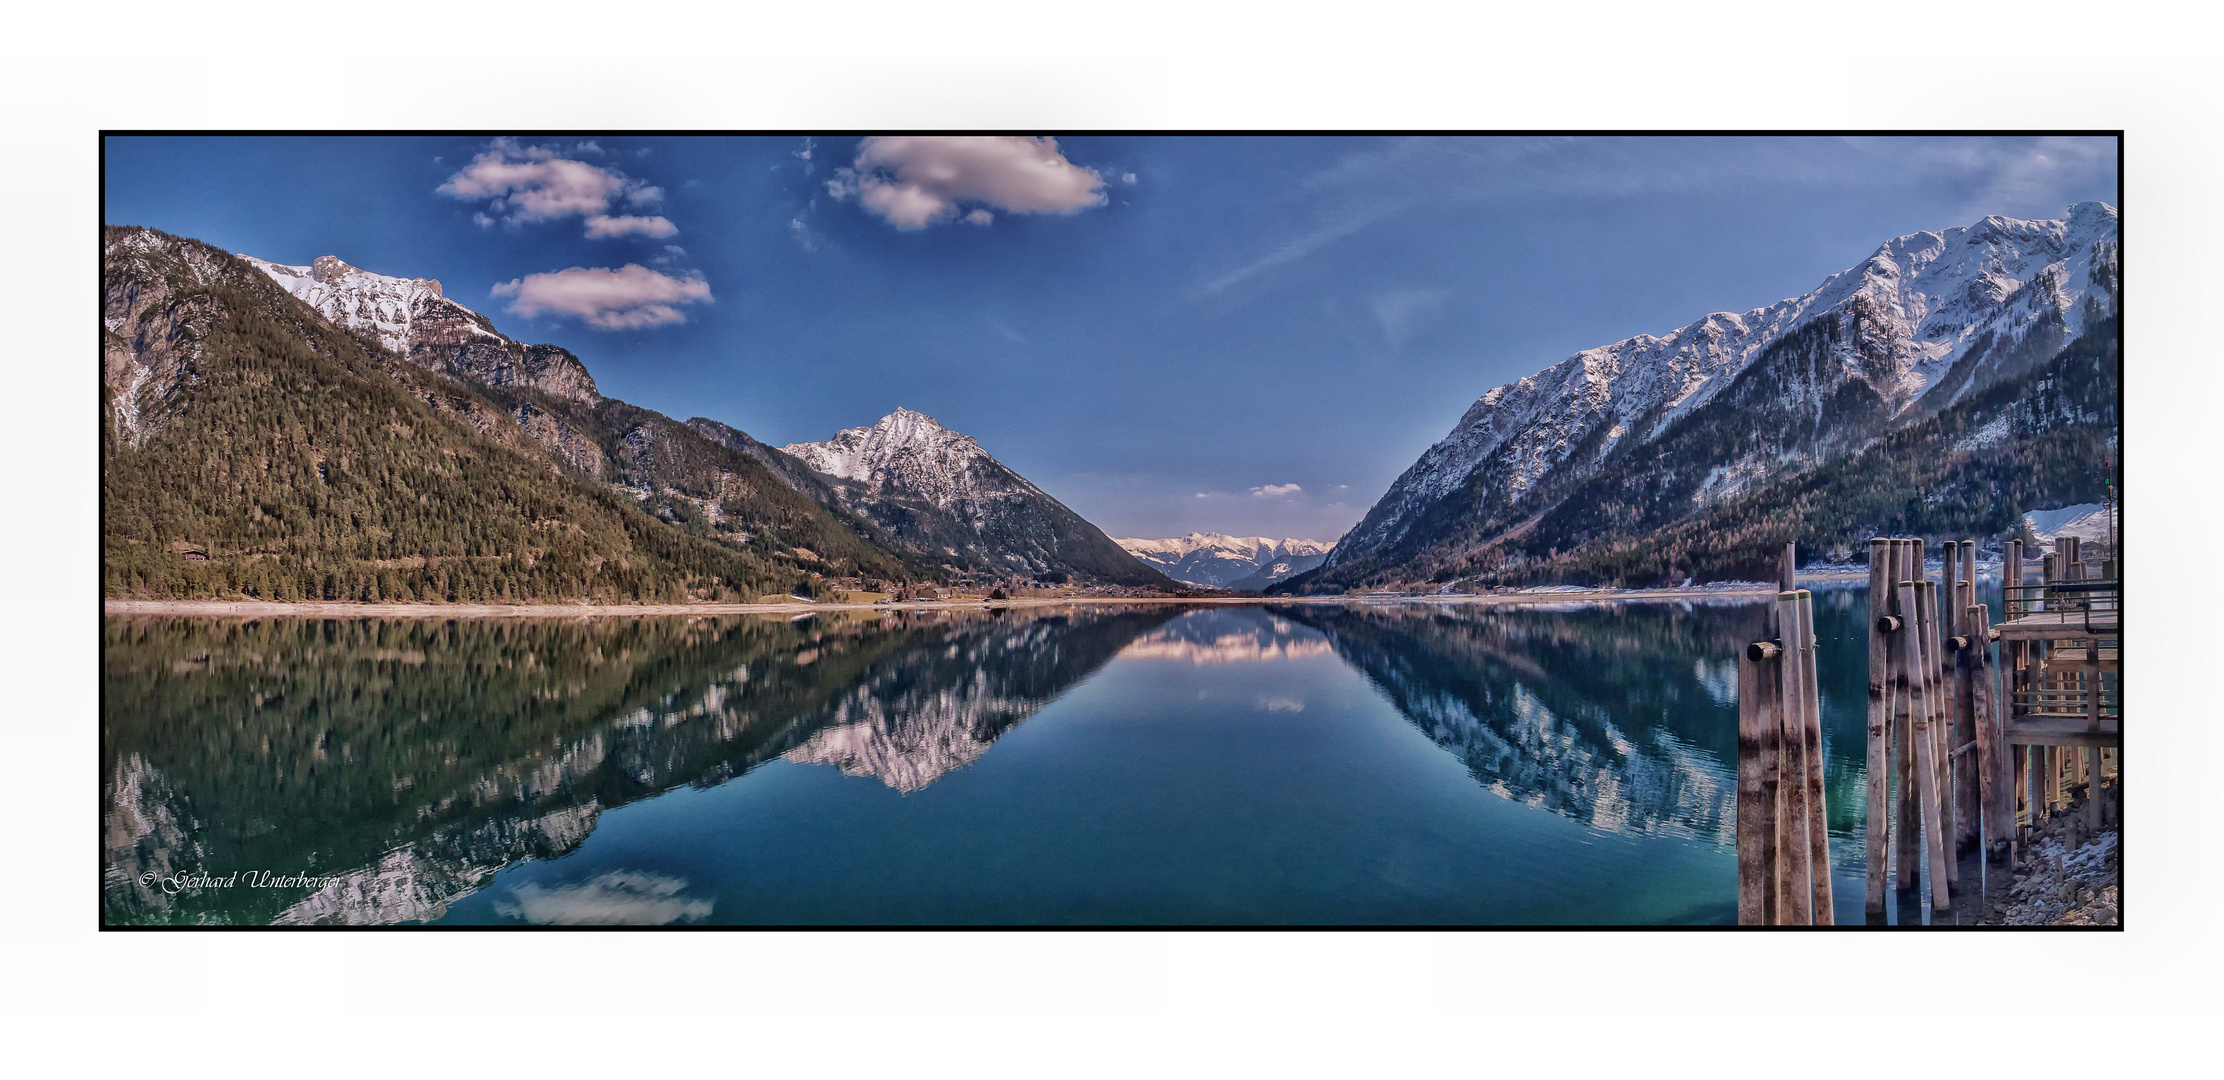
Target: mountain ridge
1737 401
941 493
254 447
1217 560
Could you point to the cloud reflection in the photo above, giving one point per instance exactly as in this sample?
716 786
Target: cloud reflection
618 898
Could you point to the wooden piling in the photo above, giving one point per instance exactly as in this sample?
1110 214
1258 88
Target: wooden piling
1932 865
1756 794
1937 801
1876 841
1907 840
1794 862
1818 809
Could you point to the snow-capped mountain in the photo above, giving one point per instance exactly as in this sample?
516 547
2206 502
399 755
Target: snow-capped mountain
413 318
937 490
908 450
1222 562
1927 319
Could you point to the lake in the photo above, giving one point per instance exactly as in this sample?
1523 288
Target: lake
1364 764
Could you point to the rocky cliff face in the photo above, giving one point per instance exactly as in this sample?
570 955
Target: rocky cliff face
937 490
413 318
1928 319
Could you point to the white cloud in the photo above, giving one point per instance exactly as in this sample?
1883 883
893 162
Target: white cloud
1404 312
527 184
621 897
979 217
802 233
1127 178
1273 490
913 181
628 298
604 225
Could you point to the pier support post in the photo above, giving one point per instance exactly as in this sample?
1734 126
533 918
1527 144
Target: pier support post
1933 863
1877 843
1756 798
1795 856
1810 715
1938 801
1907 840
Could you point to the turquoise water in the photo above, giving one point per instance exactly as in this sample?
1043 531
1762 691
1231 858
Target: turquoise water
1291 764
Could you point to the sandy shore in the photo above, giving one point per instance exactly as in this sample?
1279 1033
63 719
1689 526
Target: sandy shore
250 609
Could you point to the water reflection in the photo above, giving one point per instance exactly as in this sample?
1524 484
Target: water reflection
398 764
1611 715
1200 638
1230 766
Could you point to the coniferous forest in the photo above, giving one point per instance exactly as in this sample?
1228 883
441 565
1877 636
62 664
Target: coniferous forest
286 460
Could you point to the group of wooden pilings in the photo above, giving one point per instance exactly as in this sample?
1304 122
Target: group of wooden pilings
1783 838
1939 772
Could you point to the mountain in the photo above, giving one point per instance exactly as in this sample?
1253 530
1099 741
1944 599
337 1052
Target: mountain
1228 562
684 473
1616 443
412 318
324 433
943 497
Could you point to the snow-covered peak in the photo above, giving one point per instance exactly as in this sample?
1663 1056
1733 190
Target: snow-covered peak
859 453
911 451
1251 547
1221 561
385 307
1920 303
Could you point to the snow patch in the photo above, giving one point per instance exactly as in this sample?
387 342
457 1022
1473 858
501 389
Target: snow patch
2087 521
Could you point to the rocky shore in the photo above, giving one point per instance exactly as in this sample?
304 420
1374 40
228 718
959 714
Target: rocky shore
2066 876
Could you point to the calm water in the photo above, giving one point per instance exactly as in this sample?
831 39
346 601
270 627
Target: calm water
1288 764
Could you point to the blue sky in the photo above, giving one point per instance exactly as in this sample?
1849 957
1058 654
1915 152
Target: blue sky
1165 333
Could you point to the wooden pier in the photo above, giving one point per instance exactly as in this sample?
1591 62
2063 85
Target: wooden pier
2062 642
1977 731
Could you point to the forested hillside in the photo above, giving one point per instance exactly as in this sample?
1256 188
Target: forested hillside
250 449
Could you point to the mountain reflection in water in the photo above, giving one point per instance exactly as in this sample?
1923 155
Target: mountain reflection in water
1279 763
410 760
1578 712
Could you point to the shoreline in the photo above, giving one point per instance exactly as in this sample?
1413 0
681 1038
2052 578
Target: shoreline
258 609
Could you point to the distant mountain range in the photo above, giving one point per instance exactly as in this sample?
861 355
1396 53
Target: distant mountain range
1228 562
322 432
1949 382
